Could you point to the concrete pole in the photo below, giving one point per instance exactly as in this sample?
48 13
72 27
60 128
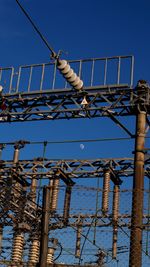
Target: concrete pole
138 187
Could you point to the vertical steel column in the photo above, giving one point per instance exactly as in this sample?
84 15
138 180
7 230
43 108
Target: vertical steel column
33 188
78 240
44 227
137 199
67 202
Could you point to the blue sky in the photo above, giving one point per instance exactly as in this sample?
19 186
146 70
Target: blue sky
83 29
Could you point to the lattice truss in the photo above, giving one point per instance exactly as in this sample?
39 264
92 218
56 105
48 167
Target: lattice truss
89 200
39 92
90 210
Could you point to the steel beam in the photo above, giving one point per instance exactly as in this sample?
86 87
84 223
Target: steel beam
138 191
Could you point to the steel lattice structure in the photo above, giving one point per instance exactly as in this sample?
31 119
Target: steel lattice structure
38 92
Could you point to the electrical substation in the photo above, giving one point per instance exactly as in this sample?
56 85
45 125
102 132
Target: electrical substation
75 212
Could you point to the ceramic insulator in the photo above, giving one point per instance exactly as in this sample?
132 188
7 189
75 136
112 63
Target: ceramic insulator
55 192
17 251
34 251
69 74
105 193
50 255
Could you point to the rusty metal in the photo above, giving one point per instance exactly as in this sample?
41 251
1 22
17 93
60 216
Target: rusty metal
78 240
102 100
33 191
15 76
55 102
79 168
44 227
138 186
67 203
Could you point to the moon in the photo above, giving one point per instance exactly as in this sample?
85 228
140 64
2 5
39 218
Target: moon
81 146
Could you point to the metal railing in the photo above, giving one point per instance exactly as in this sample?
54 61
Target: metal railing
96 72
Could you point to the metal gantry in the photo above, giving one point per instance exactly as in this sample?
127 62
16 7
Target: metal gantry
51 98
38 92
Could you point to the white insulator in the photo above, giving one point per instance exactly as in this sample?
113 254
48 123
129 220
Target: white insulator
62 64
75 82
17 250
69 74
1 88
34 251
66 69
72 78
79 85
50 255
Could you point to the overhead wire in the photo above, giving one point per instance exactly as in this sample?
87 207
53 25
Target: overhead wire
73 141
62 65
37 30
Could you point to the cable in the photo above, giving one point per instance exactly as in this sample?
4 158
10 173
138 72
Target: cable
73 141
61 249
37 30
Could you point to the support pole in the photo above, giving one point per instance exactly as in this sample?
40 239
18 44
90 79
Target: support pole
67 204
44 227
137 199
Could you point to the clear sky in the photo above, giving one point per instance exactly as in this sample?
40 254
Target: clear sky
83 29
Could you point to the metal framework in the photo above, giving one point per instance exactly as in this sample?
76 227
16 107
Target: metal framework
37 92
110 95
73 168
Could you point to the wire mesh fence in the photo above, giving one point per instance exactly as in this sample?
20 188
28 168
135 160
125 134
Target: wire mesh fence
89 223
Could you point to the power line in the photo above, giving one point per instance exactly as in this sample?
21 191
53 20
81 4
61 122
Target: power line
75 141
37 30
